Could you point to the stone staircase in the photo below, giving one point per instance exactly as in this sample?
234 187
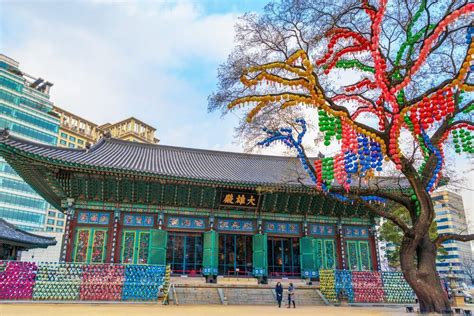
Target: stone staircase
249 296
308 297
196 296
231 294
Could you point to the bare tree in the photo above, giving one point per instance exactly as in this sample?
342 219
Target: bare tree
412 72
467 265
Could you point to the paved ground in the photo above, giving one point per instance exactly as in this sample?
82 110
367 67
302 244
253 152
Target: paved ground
149 310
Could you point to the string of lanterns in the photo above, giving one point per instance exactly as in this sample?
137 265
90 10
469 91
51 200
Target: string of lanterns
362 151
80 281
468 9
365 286
285 136
360 158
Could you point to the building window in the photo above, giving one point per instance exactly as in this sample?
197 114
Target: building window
63 142
59 230
445 226
72 138
50 221
28 132
60 215
63 135
22 201
22 216
80 141
52 213
49 229
16 185
60 223
72 145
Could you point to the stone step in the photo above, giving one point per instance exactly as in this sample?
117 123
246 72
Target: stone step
242 296
203 296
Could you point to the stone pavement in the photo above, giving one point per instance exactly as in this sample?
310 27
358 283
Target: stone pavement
40 309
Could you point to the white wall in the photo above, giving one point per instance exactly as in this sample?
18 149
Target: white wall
50 254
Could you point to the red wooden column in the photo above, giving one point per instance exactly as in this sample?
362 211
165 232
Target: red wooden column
111 238
67 244
341 252
374 251
117 236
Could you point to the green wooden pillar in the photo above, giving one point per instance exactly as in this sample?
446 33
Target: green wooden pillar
308 257
260 258
210 255
158 245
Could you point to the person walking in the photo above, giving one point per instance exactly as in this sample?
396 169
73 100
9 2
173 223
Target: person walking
279 293
291 296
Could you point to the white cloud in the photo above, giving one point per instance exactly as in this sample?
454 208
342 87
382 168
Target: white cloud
110 61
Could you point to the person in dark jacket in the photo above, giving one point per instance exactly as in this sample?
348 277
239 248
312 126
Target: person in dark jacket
279 293
291 296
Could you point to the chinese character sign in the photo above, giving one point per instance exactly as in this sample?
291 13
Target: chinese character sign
239 199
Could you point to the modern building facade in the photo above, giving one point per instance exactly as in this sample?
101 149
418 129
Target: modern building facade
55 221
451 218
75 131
131 129
25 109
202 212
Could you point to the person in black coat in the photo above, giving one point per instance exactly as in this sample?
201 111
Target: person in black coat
291 295
279 293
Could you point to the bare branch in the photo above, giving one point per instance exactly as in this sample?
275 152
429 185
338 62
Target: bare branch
444 237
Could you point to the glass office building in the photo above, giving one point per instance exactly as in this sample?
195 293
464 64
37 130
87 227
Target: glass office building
25 109
451 219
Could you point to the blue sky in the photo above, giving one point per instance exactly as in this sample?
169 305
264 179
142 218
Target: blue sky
156 60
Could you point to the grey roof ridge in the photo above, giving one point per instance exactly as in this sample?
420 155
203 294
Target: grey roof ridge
199 150
4 133
50 239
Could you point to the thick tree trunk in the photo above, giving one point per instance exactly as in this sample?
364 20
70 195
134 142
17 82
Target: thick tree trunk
418 252
418 262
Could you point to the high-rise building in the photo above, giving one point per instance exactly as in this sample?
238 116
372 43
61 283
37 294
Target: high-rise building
25 109
131 129
77 132
451 218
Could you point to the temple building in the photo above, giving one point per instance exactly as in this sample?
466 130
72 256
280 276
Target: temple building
13 240
203 212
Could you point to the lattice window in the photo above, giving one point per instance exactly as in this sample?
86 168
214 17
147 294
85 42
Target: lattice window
182 195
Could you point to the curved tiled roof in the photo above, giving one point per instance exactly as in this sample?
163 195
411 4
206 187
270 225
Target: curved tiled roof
171 161
185 163
10 233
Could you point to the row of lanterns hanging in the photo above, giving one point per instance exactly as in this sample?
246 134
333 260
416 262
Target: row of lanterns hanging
363 152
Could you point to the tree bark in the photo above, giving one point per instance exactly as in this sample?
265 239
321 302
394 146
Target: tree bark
418 252
418 264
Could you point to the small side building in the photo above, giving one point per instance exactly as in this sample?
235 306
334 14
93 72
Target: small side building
13 240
